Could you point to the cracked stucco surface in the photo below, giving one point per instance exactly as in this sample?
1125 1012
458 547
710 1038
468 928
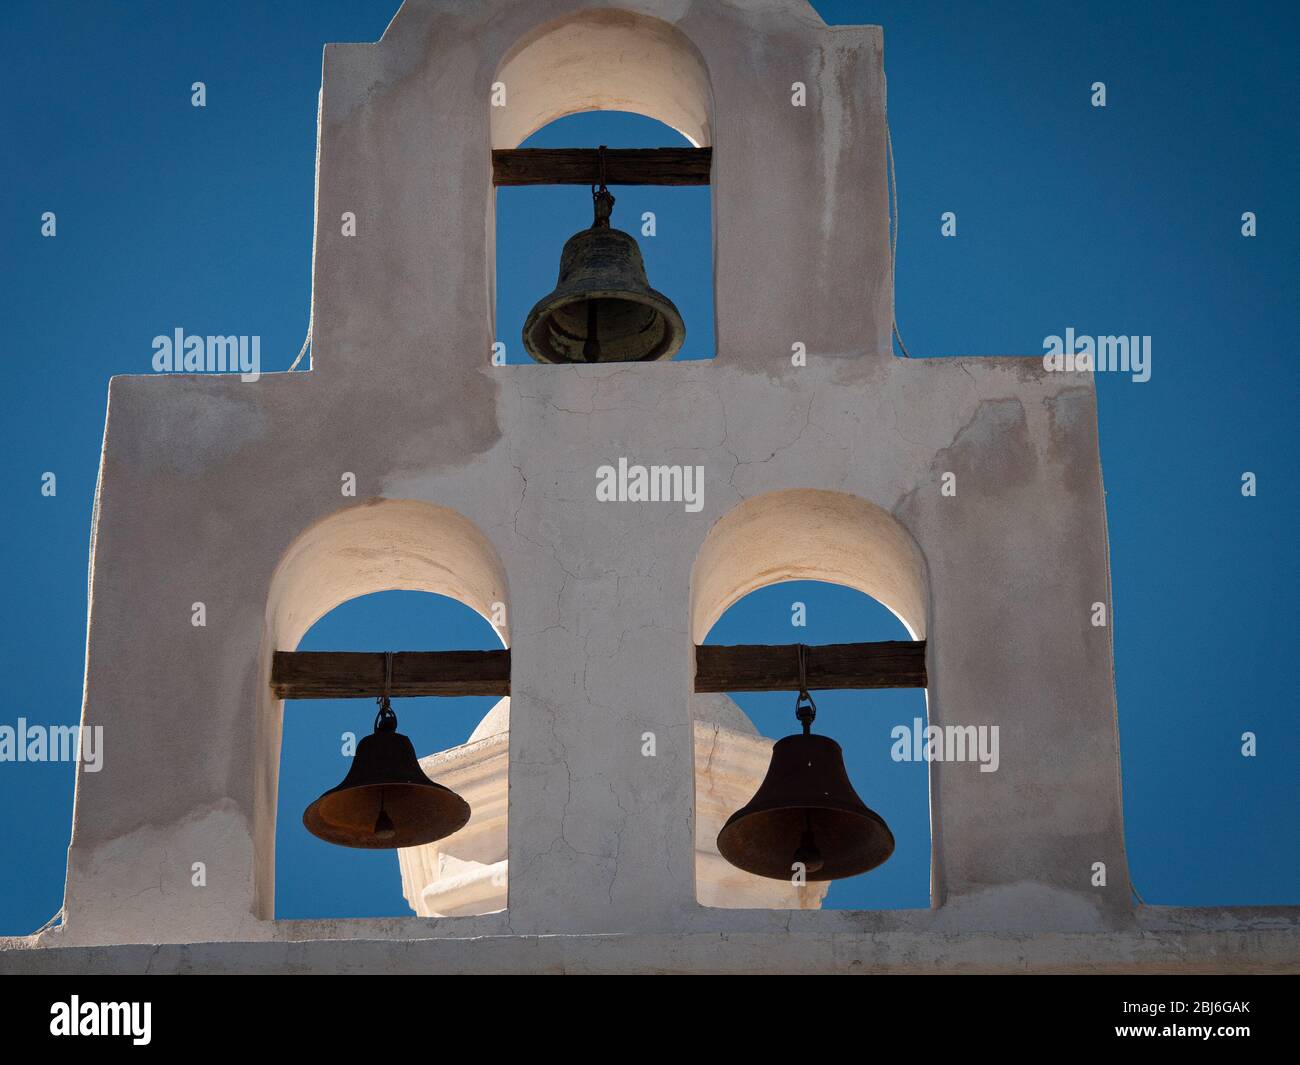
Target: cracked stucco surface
600 626
206 483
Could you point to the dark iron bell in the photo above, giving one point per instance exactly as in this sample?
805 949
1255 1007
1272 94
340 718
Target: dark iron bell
806 811
386 800
603 308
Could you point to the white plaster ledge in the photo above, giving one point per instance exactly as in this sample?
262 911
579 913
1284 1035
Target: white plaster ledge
1241 944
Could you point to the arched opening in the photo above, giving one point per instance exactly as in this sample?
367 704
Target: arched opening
603 60
816 567
862 722
813 535
597 78
317 879
379 546
672 227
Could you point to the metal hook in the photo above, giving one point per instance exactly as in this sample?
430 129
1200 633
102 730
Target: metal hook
805 710
602 198
386 719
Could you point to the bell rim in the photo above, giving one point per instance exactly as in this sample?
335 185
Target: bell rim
858 810
864 813
314 823
650 297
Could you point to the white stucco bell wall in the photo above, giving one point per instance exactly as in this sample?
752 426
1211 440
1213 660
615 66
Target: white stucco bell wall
482 479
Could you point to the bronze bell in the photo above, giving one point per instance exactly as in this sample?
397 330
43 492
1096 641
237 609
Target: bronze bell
386 800
603 308
806 811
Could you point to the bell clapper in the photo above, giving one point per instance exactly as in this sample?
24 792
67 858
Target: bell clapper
591 347
807 853
384 828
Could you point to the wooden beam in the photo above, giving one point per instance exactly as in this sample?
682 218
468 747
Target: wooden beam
774 667
744 667
360 675
581 166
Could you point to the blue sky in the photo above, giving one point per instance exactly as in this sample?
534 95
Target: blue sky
1117 220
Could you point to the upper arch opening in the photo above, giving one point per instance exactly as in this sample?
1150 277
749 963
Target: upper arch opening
382 545
808 534
603 60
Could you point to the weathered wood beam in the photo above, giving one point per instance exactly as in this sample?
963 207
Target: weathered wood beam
744 667
775 667
581 166
360 674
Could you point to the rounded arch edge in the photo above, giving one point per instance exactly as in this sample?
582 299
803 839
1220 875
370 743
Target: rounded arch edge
378 545
603 59
809 534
